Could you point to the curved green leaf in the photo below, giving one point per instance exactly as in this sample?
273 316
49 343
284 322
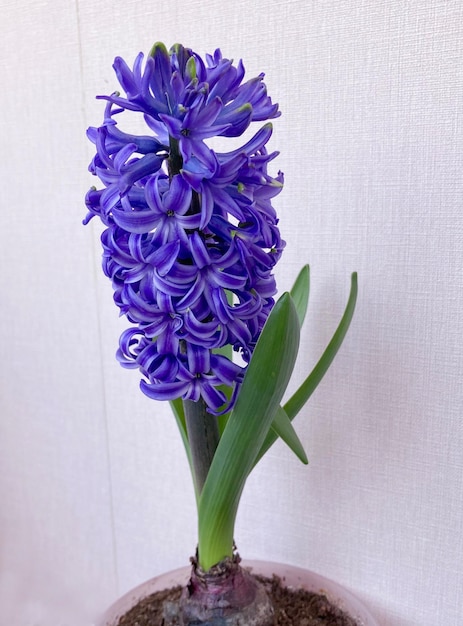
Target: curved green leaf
283 428
281 424
298 400
264 384
300 293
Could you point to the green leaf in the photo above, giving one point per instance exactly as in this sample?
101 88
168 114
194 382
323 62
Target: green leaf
281 425
283 428
300 293
298 400
264 384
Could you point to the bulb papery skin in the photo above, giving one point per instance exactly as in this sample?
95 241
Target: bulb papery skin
191 237
226 595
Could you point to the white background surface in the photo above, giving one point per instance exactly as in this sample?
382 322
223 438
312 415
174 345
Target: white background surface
95 492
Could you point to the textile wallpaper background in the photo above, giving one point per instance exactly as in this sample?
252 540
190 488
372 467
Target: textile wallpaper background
95 491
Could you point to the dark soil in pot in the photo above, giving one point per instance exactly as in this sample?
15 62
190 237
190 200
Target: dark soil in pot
293 607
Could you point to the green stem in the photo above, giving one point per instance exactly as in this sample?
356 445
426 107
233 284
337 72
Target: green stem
203 436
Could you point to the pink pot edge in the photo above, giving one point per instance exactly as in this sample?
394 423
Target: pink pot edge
291 575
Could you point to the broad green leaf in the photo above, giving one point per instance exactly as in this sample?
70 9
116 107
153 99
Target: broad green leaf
264 384
300 293
298 400
283 428
281 424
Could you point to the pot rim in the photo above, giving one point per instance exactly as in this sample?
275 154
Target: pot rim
292 575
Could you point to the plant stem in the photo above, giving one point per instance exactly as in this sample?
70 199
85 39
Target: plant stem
175 161
203 436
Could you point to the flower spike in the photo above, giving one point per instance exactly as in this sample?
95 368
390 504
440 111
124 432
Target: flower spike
191 238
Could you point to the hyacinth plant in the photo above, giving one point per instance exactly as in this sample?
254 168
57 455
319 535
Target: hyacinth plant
190 243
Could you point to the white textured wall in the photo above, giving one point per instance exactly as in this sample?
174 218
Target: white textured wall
95 492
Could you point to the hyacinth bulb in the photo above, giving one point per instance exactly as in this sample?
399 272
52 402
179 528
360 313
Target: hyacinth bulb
191 237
